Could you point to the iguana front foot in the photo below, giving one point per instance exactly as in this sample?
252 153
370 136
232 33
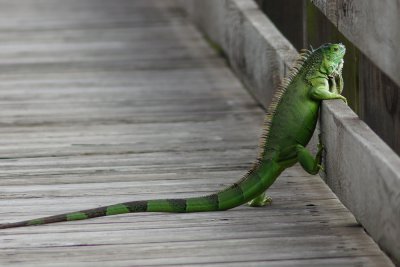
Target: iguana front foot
260 201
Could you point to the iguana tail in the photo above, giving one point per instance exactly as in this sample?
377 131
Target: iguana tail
254 183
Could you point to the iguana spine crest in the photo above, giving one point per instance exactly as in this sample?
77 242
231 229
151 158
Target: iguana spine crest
289 124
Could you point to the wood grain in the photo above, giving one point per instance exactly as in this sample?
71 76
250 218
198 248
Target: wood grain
110 101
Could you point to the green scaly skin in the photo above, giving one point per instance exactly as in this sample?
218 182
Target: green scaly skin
289 125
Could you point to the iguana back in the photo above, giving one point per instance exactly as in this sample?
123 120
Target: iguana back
289 125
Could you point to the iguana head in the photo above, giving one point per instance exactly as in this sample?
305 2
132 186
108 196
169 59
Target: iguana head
332 58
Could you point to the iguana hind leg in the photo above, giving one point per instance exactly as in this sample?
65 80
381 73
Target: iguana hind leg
307 161
310 164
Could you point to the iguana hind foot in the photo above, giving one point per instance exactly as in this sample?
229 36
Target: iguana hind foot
260 201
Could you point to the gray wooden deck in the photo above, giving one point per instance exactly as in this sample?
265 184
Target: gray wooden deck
110 101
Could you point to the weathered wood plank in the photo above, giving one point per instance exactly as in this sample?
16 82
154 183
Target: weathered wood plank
111 101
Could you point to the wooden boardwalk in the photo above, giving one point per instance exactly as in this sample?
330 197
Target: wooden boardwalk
111 101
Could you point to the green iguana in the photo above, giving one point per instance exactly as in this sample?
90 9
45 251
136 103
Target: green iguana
290 122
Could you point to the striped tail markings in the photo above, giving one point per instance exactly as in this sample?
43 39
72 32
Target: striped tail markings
255 182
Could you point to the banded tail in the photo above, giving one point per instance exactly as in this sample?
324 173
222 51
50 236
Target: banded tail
254 183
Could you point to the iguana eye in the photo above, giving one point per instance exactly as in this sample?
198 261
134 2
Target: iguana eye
335 49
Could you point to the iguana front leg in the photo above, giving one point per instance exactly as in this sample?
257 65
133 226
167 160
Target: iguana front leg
336 84
336 80
339 83
321 90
